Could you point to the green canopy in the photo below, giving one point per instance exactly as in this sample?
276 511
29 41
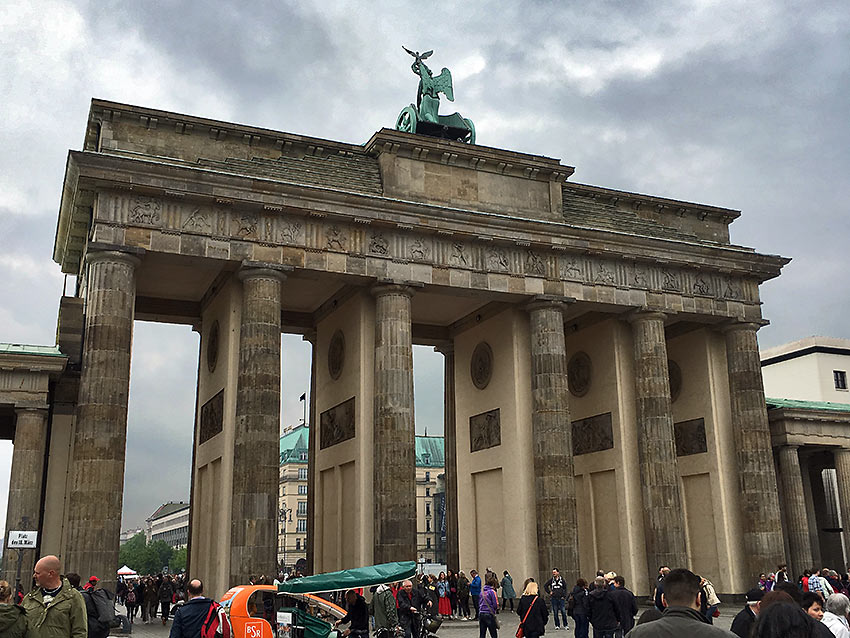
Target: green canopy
350 578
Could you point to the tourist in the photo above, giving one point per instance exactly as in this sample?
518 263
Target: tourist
95 599
488 607
54 608
151 598
744 620
383 608
709 596
508 591
580 612
408 607
132 599
13 618
659 587
804 580
166 593
463 596
557 590
357 616
681 616
475 591
626 604
835 616
783 620
602 611
444 603
532 611
452 578
190 616
782 573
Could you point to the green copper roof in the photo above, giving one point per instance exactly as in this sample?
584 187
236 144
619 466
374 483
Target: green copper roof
20 348
807 405
430 451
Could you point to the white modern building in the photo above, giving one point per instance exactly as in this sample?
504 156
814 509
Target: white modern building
810 369
169 523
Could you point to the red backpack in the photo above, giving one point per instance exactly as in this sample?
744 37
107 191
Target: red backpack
216 624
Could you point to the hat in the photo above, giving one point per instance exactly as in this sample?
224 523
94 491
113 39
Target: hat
755 595
94 579
610 575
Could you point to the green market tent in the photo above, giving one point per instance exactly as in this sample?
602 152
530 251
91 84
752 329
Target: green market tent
350 578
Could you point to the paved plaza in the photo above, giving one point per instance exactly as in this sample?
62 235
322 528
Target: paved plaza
450 628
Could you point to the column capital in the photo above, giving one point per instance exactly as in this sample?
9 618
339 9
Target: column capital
41 409
645 314
96 254
389 287
553 302
262 270
734 325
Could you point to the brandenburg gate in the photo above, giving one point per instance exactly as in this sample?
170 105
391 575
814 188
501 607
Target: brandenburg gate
603 395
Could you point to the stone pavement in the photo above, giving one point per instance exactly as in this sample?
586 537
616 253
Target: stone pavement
449 629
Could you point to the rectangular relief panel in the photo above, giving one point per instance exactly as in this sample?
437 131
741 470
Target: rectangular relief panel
593 434
212 418
690 437
485 430
337 424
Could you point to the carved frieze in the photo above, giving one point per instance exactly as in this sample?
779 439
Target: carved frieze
579 374
145 211
485 430
289 232
212 418
481 365
336 238
378 244
337 424
533 263
690 437
593 434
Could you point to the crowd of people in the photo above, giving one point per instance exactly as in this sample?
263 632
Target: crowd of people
145 596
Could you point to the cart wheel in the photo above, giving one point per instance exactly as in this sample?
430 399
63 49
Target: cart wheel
406 120
471 137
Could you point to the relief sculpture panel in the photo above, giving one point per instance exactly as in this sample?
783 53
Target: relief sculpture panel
337 424
690 437
593 434
485 430
212 418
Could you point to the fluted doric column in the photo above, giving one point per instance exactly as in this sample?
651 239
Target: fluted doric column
25 484
256 456
100 436
796 521
450 445
842 475
554 474
759 497
394 442
663 517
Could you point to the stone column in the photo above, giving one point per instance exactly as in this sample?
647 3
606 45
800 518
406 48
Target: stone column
100 436
256 455
312 435
759 496
799 542
394 443
23 511
842 475
663 517
450 445
551 431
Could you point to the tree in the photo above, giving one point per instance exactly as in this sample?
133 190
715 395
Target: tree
178 561
145 558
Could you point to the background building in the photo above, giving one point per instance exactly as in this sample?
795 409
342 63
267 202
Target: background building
808 405
292 508
169 523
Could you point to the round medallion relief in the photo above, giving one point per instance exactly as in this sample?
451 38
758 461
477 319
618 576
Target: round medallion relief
336 355
212 347
481 365
675 373
579 374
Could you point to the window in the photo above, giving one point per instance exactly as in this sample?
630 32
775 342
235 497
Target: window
302 526
427 491
427 543
427 526
427 509
302 489
427 476
297 544
840 378
303 456
302 508
302 473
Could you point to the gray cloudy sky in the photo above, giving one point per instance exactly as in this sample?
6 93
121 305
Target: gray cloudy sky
740 104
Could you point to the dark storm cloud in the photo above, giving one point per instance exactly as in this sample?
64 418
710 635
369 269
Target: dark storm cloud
736 104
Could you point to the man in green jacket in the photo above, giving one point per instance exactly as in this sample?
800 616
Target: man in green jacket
54 608
384 610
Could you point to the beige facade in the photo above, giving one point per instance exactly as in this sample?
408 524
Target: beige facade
810 369
601 350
